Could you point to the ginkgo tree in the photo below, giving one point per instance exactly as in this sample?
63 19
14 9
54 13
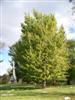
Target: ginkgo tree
41 53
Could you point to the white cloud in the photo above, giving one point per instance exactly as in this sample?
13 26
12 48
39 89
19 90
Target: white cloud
67 21
70 36
10 35
4 66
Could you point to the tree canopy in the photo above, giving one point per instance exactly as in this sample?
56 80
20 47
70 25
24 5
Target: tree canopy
41 53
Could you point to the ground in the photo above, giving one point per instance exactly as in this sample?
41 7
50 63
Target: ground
28 92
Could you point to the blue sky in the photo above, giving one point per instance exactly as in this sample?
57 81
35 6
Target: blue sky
12 14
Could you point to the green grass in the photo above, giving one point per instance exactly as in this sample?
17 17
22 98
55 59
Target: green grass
22 92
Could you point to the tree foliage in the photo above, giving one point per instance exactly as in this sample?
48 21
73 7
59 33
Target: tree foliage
41 53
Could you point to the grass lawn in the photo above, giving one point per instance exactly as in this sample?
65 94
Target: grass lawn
22 92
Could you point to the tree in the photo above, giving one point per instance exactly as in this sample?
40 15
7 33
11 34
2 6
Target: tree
39 52
71 71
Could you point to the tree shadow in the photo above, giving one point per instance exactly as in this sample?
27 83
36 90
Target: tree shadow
18 87
32 91
48 94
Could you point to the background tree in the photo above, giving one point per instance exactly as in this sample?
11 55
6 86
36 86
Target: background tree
71 71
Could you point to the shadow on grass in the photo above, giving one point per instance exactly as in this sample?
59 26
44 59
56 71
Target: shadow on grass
32 91
47 95
53 94
18 87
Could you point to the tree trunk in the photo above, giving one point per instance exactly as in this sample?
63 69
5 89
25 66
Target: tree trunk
44 83
54 82
68 82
